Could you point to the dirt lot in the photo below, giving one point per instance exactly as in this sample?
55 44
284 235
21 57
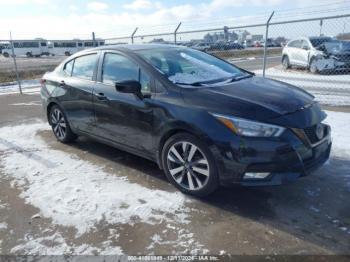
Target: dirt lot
88 198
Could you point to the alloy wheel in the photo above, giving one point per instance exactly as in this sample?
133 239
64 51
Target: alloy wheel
188 165
58 124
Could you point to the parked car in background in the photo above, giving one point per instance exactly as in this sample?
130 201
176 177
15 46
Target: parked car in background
305 52
202 47
269 43
204 121
232 45
257 44
3 45
248 43
218 45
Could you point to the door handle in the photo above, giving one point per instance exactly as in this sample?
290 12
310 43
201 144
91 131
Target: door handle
101 96
62 84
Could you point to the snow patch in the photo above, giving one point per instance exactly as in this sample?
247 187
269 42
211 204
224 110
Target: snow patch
32 103
3 225
340 124
74 192
28 86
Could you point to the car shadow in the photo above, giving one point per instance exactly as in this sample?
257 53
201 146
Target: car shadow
305 209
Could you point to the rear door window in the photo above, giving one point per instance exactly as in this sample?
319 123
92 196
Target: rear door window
84 66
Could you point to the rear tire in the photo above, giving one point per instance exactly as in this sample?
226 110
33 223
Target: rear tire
60 125
67 53
189 165
285 62
6 55
29 54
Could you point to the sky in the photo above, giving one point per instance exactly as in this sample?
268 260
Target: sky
64 19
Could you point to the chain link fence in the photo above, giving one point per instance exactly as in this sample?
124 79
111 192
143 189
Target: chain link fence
313 54
317 57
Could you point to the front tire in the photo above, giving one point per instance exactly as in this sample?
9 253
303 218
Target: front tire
313 66
189 165
60 125
285 62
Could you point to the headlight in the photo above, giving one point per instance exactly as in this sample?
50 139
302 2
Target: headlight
245 127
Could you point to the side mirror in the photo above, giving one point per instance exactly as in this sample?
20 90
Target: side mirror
305 48
129 86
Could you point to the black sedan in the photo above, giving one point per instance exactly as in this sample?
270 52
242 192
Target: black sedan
204 121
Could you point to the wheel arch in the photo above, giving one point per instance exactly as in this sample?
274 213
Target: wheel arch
48 109
312 57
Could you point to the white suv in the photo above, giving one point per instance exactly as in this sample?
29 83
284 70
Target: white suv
303 52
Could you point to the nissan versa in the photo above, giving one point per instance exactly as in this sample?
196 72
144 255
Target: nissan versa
204 121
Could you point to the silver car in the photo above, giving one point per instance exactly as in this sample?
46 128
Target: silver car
202 47
304 52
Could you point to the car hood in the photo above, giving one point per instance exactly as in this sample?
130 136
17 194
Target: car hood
254 98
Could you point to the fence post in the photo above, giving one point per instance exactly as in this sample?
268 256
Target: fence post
133 34
266 37
94 39
14 61
175 32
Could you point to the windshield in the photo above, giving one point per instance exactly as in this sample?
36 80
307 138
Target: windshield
337 46
186 66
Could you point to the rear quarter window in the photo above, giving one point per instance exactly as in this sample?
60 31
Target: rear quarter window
68 67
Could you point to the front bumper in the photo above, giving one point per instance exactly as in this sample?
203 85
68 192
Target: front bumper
332 65
285 160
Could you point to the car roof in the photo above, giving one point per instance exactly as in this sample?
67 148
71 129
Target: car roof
123 47
136 47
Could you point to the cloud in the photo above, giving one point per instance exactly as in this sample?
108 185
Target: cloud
97 6
157 19
139 4
73 8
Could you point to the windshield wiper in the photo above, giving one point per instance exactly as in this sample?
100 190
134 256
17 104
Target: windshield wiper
189 84
234 79
230 79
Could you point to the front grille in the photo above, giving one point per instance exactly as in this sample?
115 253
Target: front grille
310 132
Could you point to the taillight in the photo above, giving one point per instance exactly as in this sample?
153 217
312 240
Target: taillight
42 82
